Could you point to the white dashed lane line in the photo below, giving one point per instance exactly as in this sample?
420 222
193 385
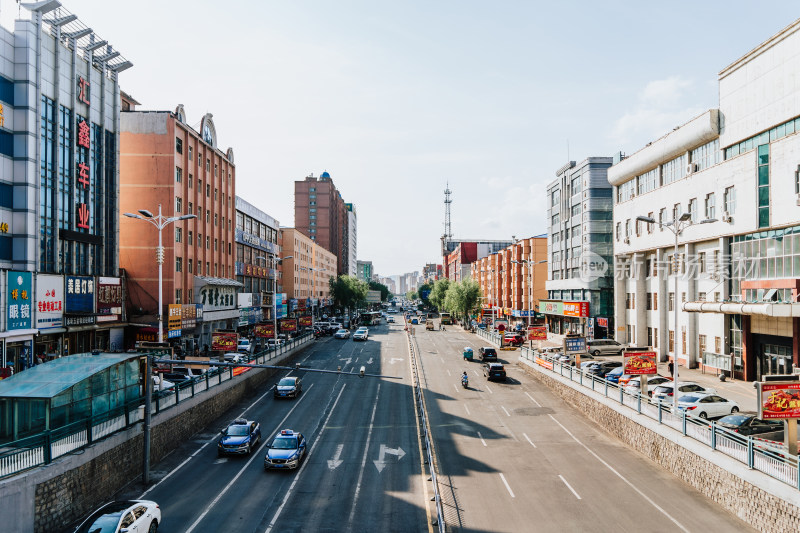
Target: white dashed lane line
511 492
505 411
569 487
481 437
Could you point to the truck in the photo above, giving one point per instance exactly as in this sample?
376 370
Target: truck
445 319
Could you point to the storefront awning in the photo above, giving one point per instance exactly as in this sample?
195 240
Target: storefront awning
764 309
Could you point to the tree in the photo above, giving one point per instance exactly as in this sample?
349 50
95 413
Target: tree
462 298
411 296
424 291
347 292
384 290
438 293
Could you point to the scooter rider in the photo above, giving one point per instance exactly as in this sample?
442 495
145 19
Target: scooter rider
464 379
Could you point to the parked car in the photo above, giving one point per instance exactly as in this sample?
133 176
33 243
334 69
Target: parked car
604 347
235 357
665 390
274 343
601 368
513 339
127 515
361 334
494 372
614 375
487 353
749 424
245 346
176 377
633 384
240 437
342 334
707 405
288 387
390 320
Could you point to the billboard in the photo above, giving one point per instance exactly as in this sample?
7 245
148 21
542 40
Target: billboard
79 294
288 324
778 400
264 330
374 297
224 341
49 301
304 321
174 320
109 299
575 345
640 363
19 300
537 333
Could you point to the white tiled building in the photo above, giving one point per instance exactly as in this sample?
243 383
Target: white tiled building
738 276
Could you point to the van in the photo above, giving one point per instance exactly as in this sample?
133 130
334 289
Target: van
604 347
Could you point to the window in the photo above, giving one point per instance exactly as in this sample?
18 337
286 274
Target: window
215 194
626 191
178 264
215 219
189 240
189 265
190 155
662 218
673 170
208 216
630 300
628 228
191 180
178 174
677 211
216 247
671 341
312 203
729 200
191 206
555 198
178 296
312 210
711 205
648 181
650 336
208 165
208 242
638 227
763 186
179 145
702 341
649 301
619 230
208 268
178 234
701 297
650 226
707 155
655 301
178 204
693 209
199 239
671 301
208 190
215 169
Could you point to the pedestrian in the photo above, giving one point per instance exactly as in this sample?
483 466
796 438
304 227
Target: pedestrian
671 367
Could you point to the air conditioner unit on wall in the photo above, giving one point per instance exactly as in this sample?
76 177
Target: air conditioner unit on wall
691 167
798 199
726 217
627 240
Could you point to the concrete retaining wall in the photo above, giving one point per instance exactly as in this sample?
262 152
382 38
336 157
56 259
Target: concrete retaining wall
46 499
765 503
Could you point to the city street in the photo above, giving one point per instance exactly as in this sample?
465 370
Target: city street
512 455
362 471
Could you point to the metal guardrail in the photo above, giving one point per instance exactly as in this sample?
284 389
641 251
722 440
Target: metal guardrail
764 456
43 448
423 415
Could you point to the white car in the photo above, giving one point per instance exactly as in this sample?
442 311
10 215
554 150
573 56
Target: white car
707 405
342 334
119 516
664 391
390 320
634 384
235 357
245 346
272 343
361 334
161 384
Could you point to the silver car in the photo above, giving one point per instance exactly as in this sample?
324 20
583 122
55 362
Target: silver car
604 347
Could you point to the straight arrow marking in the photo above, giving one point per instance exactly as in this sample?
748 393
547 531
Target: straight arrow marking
333 463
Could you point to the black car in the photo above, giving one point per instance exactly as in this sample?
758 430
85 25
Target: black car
488 354
601 368
494 372
749 424
289 387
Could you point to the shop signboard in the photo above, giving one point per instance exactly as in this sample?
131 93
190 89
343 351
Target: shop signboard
174 320
249 315
639 363
188 316
224 341
579 309
602 322
288 324
245 299
216 297
537 333
109 299
551 308
590 323
778 400
575 345
264 331
79 294
304 321
49 301
19 300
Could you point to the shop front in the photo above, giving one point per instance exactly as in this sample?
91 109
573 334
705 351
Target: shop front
110 328
17 339
217 298
79 317
565 318
49 304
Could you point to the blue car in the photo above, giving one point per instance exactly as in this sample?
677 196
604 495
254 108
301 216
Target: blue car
286 451
615 374
239 438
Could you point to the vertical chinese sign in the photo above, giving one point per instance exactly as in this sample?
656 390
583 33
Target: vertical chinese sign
18 312
83 151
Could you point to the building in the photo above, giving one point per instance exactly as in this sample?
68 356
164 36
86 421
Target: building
165 164
431 272
364 271
59 201
730 178
468 252
306 272
257 252
320 213
512 280
580 284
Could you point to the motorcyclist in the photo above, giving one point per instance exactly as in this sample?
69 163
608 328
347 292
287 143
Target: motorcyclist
464 379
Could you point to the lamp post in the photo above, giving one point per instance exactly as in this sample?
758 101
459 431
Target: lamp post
676 227
160 222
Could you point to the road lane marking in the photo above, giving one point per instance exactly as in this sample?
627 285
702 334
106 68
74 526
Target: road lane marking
532 399
476 372
507 485
529 440
481 437
623 478
504 409
448 372
241 471
489 389
363 460
456 388
305 462
467 408
569 487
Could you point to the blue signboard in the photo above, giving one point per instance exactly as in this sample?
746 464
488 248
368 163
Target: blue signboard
173 334
79 294
575 344
18 310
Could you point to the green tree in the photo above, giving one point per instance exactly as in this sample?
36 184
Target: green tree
424 291
384 290
462 298
438 293
348 292
411 296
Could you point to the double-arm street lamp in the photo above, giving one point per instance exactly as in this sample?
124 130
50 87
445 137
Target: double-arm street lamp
160 222
676 226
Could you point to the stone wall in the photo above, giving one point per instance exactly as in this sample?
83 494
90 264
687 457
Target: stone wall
722 479
74 485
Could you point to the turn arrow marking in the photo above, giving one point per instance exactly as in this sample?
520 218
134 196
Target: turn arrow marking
370 361
347 359
380 464
333 463
392 361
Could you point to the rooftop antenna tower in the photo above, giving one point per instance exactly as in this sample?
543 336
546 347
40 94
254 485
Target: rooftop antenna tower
448 233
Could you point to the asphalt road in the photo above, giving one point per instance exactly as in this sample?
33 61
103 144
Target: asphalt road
362 471
513 457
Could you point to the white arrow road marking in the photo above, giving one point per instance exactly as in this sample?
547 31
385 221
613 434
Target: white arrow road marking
380 464
333 463
369 361
395 359
346 359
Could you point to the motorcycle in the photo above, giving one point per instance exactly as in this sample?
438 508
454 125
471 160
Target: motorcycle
465 382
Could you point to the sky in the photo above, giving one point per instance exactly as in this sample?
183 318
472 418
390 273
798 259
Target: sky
396 100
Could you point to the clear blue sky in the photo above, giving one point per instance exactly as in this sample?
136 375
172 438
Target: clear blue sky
394 99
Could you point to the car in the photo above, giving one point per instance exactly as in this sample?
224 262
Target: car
481 325
747 423
494 372
604 347
127 515
422 319
514 339
487 353
239 438
273 343
176 377
429 326
601 368
707 405
415 320
342 334
390 320
245 346
665 390
633 384
286 450
614 375
361 334
235 357
289 387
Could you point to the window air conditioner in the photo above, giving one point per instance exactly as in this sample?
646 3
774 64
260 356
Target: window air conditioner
726 217
691 167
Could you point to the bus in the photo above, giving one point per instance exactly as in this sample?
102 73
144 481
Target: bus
445 319
370 318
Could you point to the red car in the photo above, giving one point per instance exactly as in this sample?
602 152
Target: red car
513 339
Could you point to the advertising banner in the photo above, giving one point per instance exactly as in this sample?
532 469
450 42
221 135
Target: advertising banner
640 363
602 322
188 316
109 299
174 319
49 301
574 344
19 300
288 324
580 309
264 331
224 341
79 296
304 321
778 400
537 333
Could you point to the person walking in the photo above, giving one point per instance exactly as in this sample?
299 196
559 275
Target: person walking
671 367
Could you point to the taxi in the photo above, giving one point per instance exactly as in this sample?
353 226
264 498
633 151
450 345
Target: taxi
286 451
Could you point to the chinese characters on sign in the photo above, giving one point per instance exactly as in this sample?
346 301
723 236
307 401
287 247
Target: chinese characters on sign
83 90
224 342
288 324
778 400
264 330
304 320
19 300
174 320
109 299
537 333
640 363
2 116
212 297
49 301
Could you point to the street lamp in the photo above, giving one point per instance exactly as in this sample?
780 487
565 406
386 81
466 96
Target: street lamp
676 227
160 222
